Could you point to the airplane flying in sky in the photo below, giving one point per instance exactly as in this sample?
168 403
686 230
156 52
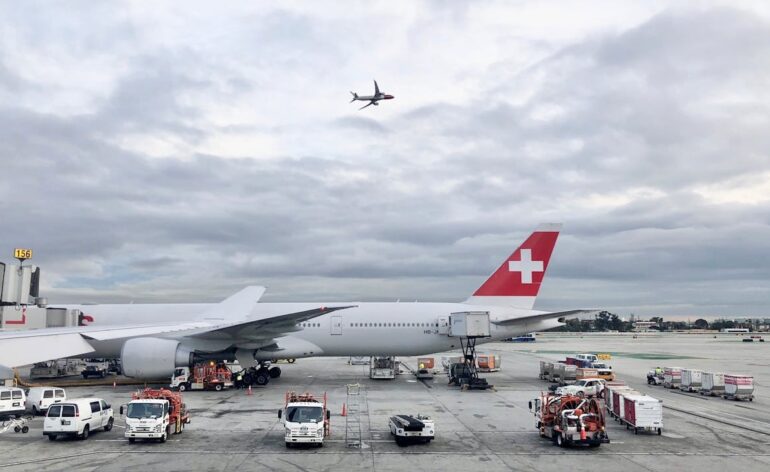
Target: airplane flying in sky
153 339
373 99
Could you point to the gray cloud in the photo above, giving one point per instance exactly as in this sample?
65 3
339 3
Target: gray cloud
618 135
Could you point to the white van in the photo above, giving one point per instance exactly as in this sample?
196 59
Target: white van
40 398
11 402
78 417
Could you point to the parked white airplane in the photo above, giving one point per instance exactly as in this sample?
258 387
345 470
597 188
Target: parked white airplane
161 337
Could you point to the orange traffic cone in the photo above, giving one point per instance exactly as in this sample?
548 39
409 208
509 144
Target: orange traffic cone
582 434
344 409
248 392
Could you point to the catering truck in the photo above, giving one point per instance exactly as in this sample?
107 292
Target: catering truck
305 419
155 414
203 376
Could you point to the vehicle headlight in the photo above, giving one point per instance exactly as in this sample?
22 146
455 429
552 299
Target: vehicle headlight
157 428
320 432
288 431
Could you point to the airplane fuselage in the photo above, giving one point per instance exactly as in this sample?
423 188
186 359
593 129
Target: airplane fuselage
404 329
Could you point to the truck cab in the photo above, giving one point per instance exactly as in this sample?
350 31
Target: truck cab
202 377
147 419
305 419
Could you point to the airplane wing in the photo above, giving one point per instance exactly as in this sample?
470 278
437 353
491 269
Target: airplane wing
376 89
543 316
235 319
368 105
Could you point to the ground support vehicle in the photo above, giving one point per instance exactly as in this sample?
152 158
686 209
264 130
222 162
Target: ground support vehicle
713 384
306 419
155 414
570 420
739 387
382 367
464 376
12 402
655 377
642 413
604 371
77 417
204 376
545 370
358 360
40 398
408 429
583 388
18 425
95 369
425 367
672 377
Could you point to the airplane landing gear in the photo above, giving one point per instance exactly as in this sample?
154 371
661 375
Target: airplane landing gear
274 372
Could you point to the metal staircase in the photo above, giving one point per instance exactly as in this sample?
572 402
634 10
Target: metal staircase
356 402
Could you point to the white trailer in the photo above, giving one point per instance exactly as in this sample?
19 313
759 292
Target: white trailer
545 370
739 387
691 380
642 412
712 384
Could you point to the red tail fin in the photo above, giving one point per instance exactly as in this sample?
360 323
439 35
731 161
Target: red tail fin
517 281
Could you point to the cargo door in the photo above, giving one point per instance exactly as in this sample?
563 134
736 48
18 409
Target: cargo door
336 326
443 325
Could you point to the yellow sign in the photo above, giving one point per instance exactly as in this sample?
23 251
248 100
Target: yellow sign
20 253
604 357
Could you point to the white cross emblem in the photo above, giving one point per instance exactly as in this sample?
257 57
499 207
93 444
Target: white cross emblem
526 266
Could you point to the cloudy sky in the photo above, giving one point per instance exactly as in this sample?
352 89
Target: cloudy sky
156 151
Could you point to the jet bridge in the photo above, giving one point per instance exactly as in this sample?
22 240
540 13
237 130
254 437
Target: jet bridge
469 326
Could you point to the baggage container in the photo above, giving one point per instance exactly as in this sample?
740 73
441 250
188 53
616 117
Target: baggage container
555 374
488 362
426 362
567 374
739 387
672 377
712 384
614 399
586 373
545 370
691 380
642 412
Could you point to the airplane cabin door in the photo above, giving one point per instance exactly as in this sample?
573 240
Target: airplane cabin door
443 325
336 325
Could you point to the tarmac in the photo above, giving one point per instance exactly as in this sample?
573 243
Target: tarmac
475 430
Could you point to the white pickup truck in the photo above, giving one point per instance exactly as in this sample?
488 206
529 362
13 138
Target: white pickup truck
583 388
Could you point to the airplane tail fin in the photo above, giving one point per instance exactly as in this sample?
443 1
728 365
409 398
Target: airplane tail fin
355 97
517 281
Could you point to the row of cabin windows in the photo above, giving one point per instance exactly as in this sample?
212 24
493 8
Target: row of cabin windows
377 325
393 325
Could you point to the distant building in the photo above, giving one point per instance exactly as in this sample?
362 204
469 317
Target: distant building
644 326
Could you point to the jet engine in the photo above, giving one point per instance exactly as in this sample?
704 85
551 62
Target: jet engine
152 358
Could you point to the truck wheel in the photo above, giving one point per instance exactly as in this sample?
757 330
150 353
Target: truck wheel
35 412
274 372
218 387
262 378
131 440
84 434
52 437
291 361
581 394
182 387
288 445
109 424
560 440
25 429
